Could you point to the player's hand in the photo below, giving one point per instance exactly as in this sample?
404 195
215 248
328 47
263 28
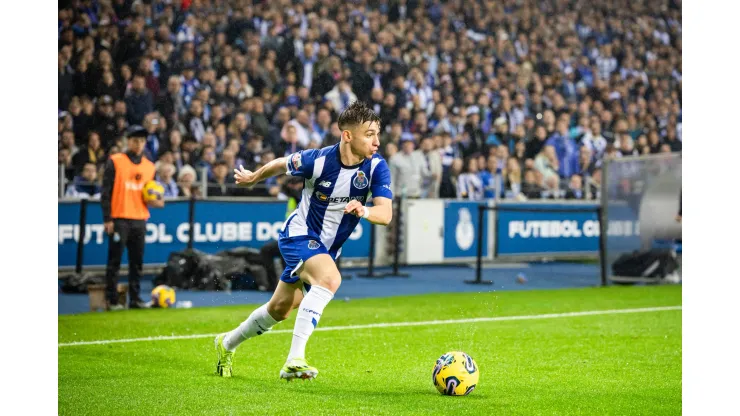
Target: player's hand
244 177
355 207
108 227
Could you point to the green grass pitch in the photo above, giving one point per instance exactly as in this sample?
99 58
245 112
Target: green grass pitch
609 364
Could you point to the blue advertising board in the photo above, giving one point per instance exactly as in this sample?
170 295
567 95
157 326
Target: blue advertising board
218 225
553 233
461 228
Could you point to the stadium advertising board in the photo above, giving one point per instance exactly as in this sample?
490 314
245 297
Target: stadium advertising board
461 228
521 233
218 225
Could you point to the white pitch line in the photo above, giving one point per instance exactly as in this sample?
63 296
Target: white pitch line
395 324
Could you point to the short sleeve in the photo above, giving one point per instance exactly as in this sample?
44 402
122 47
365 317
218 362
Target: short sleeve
381 181
301 163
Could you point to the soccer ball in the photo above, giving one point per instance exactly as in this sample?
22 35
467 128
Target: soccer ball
163 296
455 374
152 191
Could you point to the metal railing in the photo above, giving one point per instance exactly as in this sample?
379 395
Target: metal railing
202 184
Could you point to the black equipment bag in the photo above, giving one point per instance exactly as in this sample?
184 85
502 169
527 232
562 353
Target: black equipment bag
654 263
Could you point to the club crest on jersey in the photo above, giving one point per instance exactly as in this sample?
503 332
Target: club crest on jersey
313 244
360 181
295 160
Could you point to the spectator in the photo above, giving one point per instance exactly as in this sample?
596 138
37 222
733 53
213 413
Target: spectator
255 69
218 185
86 185
547 163
340 96
575 188
408 168
585 162
565 149
151 124
206 162
489 175
92 153
139 101
534 146
450 178
165 174
513 178
531 188
432 171
104 122
195 122
171 103
594 140
469 184
594 185
185 182
68 142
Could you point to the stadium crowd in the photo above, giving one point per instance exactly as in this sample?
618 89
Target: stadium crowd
516 98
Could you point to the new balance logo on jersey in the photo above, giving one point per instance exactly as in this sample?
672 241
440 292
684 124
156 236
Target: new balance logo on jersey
324 184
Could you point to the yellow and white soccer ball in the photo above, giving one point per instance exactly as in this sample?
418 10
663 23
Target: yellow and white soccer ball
163 296
152 191
455 374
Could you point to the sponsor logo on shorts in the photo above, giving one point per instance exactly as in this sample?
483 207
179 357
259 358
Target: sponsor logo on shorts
313 244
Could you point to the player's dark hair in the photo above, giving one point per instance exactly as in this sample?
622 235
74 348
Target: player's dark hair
357 114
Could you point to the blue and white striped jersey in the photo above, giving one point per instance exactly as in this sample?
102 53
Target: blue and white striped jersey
327 188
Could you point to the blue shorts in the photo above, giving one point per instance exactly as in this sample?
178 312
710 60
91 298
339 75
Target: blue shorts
296 251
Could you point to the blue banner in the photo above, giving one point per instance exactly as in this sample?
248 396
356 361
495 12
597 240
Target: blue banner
552 233
461 228
218 225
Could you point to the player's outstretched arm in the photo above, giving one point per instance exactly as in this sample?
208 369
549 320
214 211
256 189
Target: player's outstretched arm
245 177
380 213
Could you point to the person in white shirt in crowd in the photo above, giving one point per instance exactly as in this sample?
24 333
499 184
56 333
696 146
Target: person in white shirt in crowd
547 163
432 172
341 96
408 168
303 130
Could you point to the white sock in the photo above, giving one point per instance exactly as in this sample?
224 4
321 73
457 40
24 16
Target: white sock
258 323
309 314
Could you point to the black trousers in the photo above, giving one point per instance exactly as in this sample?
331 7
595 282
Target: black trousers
269 251
128 234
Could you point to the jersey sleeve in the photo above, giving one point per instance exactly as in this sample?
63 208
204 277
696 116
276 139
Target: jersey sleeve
381 181
301 163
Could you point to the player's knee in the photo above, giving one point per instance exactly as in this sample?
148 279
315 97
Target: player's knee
280 309
330 282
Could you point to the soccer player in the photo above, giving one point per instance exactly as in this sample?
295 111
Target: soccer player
337 181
